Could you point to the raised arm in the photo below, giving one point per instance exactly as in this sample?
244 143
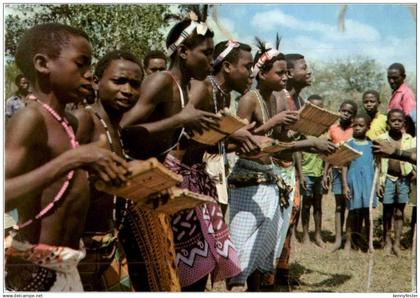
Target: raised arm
283 118
155 90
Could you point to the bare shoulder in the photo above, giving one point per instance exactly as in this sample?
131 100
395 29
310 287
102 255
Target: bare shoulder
248 98
204 85
157 83
85 125
247 105
26 133
200 94
26 126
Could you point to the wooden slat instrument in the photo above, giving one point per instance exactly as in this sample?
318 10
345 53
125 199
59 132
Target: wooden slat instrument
228 124
313 120
342 155
152 185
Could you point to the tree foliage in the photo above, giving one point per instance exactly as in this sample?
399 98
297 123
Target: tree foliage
348 79
136 27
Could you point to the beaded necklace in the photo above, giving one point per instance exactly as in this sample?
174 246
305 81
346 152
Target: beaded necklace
113 149
264 111
290 103
215 85
70 133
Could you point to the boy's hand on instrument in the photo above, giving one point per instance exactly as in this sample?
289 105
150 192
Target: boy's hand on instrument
102 161
257 153
246 141
197 120
324 146
286 118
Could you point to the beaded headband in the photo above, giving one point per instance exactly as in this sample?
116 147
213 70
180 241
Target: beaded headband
231 44
266 56
201 30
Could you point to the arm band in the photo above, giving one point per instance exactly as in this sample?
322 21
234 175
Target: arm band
402 155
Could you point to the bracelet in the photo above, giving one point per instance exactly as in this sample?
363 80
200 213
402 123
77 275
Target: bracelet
402 155
405 155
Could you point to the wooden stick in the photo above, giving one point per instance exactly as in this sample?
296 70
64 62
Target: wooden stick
370 267
372 195
413 261
371 250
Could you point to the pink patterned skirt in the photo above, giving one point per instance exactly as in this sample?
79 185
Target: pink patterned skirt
202 239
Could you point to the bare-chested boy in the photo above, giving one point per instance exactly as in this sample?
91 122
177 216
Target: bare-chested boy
289 99
117 81
202 241
231 71
44 180
395 180
255 219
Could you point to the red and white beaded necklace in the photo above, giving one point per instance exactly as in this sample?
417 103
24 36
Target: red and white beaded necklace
74 144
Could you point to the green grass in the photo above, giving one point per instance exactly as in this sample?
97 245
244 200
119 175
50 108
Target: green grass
318 270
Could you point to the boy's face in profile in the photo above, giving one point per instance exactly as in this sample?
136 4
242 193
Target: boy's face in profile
199 59
301 73
70 74
370 103
396 121
119 86
240 72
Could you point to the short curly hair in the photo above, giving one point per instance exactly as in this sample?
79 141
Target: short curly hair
47 38
106 60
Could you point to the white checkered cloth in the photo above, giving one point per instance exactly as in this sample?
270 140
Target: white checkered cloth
256 223
288 175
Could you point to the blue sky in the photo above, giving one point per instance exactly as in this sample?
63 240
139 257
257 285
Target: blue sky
386 32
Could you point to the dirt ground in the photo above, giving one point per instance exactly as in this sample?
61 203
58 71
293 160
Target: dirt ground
317 270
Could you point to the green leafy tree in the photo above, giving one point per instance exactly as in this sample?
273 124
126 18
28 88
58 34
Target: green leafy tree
348 79
137 27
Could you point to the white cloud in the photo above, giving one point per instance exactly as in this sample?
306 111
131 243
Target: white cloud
384 52
271 20
323 42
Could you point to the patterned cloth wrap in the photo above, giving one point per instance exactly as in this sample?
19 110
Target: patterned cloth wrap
104 268
260 201
42 267
202 240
